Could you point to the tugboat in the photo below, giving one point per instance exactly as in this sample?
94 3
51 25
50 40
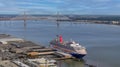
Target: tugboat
70 47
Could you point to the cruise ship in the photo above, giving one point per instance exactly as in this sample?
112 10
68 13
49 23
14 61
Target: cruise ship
70 47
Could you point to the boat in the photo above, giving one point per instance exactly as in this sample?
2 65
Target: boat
71 47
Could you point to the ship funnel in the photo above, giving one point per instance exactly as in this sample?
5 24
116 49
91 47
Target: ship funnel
61 39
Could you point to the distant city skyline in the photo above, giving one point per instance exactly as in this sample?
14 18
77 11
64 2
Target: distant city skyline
90 7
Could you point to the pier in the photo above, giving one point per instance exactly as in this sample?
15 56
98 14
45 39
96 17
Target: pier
19 51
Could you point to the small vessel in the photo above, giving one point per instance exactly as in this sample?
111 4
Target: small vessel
70 47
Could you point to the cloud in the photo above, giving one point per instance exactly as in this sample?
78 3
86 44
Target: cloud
101 0
1 5
65 6
56 1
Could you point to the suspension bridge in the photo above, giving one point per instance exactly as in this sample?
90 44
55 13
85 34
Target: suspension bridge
26 17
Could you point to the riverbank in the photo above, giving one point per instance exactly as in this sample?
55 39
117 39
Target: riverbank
16 51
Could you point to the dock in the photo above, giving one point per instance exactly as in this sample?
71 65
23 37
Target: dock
17 51
63 55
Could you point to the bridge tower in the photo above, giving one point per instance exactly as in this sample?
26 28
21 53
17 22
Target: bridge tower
24 16
25 19
58 24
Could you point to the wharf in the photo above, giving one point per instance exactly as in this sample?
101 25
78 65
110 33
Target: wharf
19 50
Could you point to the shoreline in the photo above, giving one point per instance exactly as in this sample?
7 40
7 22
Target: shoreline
16 51
17 48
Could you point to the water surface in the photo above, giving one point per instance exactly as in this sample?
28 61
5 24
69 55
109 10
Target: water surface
102 41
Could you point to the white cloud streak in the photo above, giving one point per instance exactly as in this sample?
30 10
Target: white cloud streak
101 0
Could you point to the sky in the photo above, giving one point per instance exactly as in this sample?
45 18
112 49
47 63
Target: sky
89 7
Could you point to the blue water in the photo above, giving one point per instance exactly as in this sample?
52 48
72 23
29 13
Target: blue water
102 41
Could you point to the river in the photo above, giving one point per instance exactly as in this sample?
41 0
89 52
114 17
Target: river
101 41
